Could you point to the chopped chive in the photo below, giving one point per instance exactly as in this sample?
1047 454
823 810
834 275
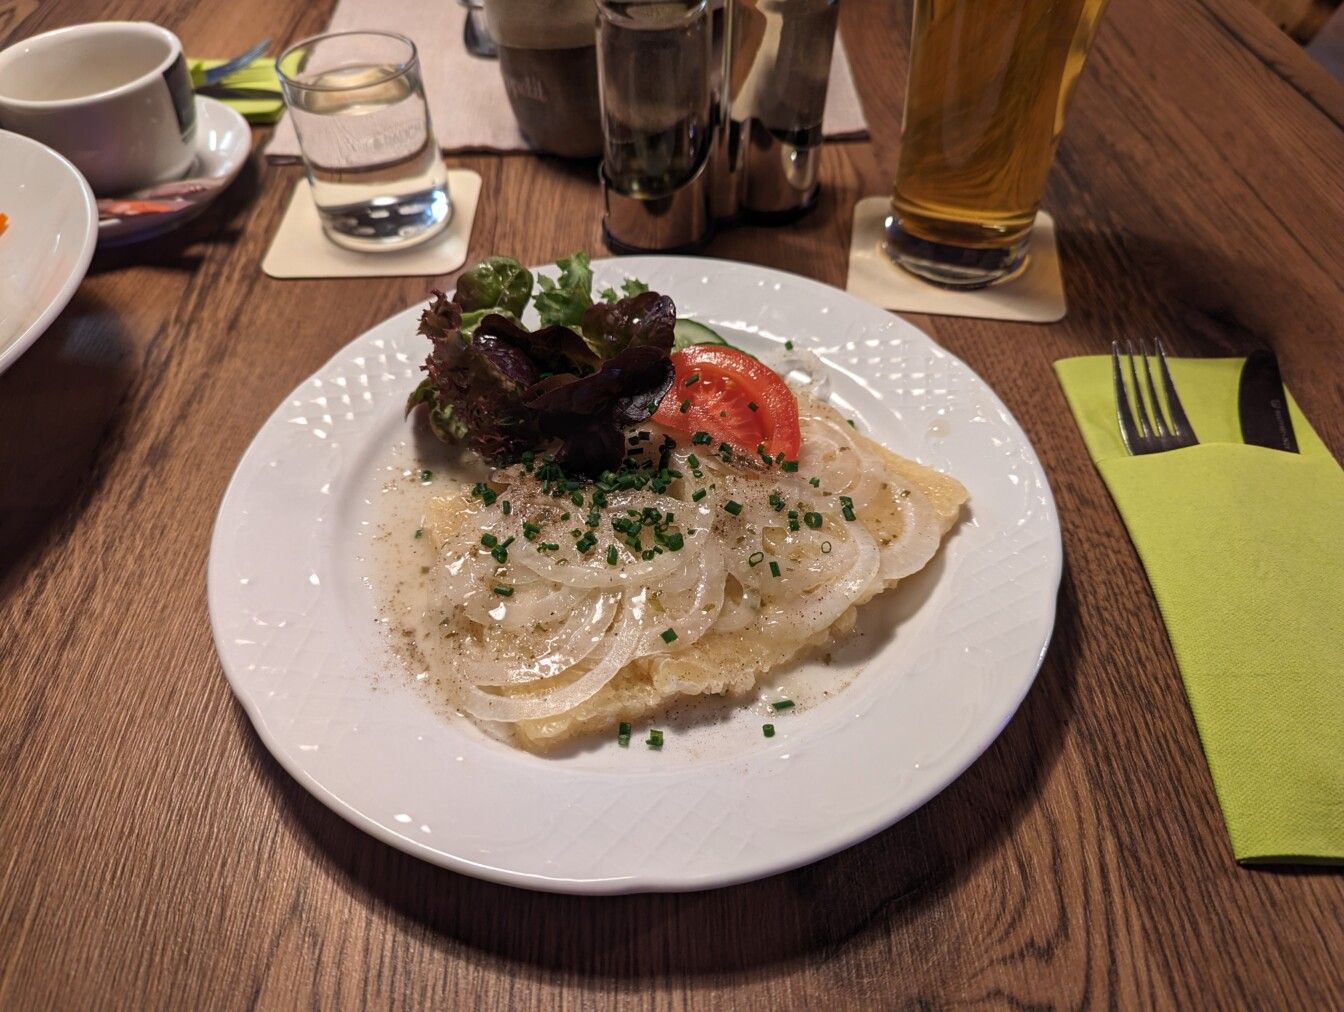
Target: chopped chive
577 498
426 475
777 501
506 507
814 482
733 506
768 730
789 465
825 548
698 494
725 448
684 407
774 568
693 460
489 540
611 555
692 380
851 423
755 558
812 520
781 704
504 591
655 739
751 406
419 532
625 728
530 531
847 507
701 438
564 515
788 345
648 554
672 542
668 635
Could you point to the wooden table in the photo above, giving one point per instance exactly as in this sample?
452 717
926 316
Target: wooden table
153 855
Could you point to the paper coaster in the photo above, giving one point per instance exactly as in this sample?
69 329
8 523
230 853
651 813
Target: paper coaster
300 250
1035 295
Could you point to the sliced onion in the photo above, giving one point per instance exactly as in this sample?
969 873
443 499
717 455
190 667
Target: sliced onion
571 643
808 614
919 537
741 607
695 618
547 700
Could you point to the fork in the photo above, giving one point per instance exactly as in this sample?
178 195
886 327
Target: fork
214 75
1165 431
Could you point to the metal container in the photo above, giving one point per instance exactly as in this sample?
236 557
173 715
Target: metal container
653 61
776 67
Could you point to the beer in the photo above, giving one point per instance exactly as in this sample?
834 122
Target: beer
990 82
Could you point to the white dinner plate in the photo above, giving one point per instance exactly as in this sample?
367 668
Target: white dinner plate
942 662
45 251
223 142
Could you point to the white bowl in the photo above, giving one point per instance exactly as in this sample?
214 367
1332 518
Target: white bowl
44 253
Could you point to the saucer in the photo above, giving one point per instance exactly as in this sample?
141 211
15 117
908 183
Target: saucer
223 142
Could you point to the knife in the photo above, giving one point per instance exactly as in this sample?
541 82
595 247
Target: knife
1263 405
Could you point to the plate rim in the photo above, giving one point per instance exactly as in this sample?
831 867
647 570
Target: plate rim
652 883
25 339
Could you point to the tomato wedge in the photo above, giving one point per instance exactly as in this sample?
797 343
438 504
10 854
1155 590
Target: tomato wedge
735 398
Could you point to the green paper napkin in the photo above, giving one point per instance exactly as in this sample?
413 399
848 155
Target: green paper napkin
1244 549
257 76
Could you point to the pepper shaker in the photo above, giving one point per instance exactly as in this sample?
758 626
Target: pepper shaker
777 64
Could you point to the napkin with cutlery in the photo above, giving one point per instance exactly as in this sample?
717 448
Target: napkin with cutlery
253 90
1244 549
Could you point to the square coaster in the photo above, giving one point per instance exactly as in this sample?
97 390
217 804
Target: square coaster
1034 295
301 250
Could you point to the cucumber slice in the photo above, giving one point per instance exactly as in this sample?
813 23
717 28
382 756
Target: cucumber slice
688 332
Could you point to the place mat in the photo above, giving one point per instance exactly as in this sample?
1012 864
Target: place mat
301 250
1244 549
1034 295
467 102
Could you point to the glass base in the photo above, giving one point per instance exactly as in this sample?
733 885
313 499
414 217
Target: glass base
384 224
952 266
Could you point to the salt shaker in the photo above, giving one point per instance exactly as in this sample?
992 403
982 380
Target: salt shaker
653 61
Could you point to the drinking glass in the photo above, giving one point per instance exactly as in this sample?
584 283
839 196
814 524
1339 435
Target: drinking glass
985 102
358 106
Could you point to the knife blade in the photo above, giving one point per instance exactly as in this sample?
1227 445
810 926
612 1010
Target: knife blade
1262 404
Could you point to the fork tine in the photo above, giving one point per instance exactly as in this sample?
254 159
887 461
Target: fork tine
1159 418
1180 424
1145 429
1128 433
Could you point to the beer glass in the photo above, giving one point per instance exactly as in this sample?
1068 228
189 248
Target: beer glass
989 88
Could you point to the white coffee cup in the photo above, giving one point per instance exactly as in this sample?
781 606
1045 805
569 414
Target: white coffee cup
114 97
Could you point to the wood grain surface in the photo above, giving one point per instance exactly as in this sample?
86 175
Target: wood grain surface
153 855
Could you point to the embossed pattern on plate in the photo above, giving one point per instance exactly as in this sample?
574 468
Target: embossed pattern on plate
294 626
